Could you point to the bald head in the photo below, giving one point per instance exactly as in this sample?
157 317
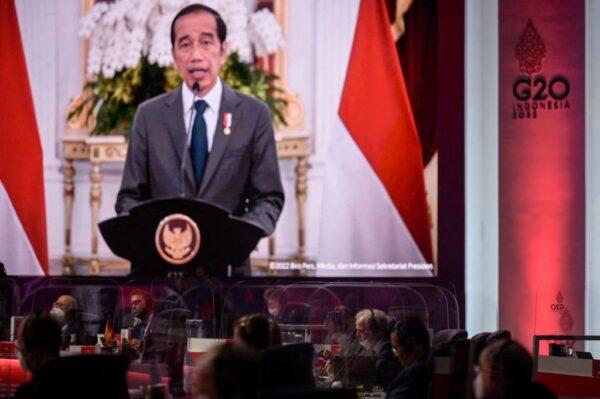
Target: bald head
66 303
64 309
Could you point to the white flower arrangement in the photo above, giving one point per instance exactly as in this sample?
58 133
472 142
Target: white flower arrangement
130 58
123 32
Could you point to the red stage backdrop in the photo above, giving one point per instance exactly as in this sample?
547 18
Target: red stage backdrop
542 167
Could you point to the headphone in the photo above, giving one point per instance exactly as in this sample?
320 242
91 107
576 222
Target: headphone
373 323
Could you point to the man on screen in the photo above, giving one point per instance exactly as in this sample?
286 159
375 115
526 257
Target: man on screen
231 158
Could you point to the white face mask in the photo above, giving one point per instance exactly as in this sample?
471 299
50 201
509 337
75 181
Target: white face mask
58 314
21 360
273 311
478 386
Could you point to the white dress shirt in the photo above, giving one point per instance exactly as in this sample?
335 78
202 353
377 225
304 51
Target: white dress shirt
211 114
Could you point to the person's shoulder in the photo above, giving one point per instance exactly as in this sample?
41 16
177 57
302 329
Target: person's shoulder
156 102
417 370
249 102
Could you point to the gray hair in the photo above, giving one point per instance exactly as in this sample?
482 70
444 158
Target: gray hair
375 320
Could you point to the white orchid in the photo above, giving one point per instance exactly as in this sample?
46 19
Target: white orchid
122 32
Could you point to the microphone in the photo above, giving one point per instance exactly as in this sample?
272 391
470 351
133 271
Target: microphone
195 90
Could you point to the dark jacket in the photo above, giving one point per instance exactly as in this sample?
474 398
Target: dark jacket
386 365
26 391
412 382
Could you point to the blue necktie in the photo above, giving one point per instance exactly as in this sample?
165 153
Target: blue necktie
199 144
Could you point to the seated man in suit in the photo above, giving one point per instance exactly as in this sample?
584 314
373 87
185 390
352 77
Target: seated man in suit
38 340
204 140
410 340
142 314
372 332
65 311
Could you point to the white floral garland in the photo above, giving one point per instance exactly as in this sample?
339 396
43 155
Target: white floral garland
120 33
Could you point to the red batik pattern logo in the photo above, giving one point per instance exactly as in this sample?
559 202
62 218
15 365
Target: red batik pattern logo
530 50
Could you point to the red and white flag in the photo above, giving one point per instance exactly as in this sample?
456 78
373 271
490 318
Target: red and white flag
23 245
374 204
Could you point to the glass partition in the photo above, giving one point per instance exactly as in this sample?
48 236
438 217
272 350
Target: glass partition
164 325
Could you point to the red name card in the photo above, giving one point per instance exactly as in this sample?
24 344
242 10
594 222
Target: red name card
7 350
88 350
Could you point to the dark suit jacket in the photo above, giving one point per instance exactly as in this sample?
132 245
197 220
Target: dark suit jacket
242 171
386 365
411 383
76 327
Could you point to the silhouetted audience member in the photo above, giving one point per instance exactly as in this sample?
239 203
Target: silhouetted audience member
504 372
500 335
372 332
258 332
478 344
410 340
6 304
228 371
38 340
65 311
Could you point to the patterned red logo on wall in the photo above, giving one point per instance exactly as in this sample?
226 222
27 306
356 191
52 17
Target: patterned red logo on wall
530 50
534 93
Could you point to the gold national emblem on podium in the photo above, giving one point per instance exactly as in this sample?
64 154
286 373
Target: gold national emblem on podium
177 239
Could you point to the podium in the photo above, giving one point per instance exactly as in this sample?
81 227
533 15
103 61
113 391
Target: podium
182 235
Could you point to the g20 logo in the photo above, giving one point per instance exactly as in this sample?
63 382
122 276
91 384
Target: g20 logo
539 89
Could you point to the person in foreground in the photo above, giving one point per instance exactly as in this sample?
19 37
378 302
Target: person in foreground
38 340
504 371
257 332
228 371
410 340
204 140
